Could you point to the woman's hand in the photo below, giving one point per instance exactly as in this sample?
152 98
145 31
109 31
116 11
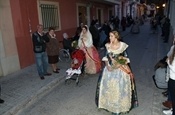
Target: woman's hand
84 39
54 35
131 75
109 68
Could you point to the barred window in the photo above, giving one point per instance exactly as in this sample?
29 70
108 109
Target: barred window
49 14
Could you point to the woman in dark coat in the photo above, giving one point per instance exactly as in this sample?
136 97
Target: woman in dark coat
52 49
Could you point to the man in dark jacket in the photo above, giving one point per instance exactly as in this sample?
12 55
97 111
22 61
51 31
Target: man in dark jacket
106 28
95 33
166 29
39 48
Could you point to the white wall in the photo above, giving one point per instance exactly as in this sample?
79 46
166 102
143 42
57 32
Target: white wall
9 61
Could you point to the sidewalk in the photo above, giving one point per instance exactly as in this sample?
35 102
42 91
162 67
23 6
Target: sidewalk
24 86
163 48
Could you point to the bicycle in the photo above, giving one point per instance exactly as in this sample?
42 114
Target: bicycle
64 54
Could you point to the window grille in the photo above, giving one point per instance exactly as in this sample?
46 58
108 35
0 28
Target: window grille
49 16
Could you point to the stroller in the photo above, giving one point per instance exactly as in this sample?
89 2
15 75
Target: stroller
77 66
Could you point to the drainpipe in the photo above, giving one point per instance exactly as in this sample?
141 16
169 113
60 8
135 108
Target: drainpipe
168 10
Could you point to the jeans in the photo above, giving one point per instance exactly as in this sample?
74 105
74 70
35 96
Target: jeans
171 87
169 97
41 63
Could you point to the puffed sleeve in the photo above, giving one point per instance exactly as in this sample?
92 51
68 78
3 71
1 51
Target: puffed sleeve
105 57
126 56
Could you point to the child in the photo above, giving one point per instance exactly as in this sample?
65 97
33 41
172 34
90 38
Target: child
78 57
160 74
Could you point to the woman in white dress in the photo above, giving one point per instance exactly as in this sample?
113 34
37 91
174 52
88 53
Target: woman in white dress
93 62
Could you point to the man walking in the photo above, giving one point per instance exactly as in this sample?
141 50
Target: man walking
39 48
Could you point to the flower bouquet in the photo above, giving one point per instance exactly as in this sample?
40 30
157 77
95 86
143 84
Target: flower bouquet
119 61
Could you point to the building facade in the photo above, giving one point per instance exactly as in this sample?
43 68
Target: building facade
170 13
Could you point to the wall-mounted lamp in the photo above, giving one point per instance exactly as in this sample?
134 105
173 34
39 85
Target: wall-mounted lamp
157 7
163 5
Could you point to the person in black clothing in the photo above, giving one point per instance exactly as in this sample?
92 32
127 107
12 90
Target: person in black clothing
80 27
39 48
95 33
123 23
162 21
77 34
116 23
106 28
166 29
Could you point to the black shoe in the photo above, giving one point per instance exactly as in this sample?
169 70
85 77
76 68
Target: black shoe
42 77
56 71
1 101
47 74
165 93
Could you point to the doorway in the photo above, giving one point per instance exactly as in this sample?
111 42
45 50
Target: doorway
82 14
100 15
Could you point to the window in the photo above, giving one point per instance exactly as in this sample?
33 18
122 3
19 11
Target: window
49 14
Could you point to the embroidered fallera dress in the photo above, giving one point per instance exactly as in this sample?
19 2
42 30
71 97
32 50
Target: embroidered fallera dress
135 29
93 62
116 91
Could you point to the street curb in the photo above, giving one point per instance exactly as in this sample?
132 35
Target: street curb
44 90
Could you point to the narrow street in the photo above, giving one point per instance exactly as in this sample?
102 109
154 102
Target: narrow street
70 99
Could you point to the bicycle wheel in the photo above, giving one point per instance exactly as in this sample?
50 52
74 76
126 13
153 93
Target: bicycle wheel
64 55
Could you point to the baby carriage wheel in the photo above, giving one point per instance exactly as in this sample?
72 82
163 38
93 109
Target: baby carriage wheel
67 79
77 81
64 55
